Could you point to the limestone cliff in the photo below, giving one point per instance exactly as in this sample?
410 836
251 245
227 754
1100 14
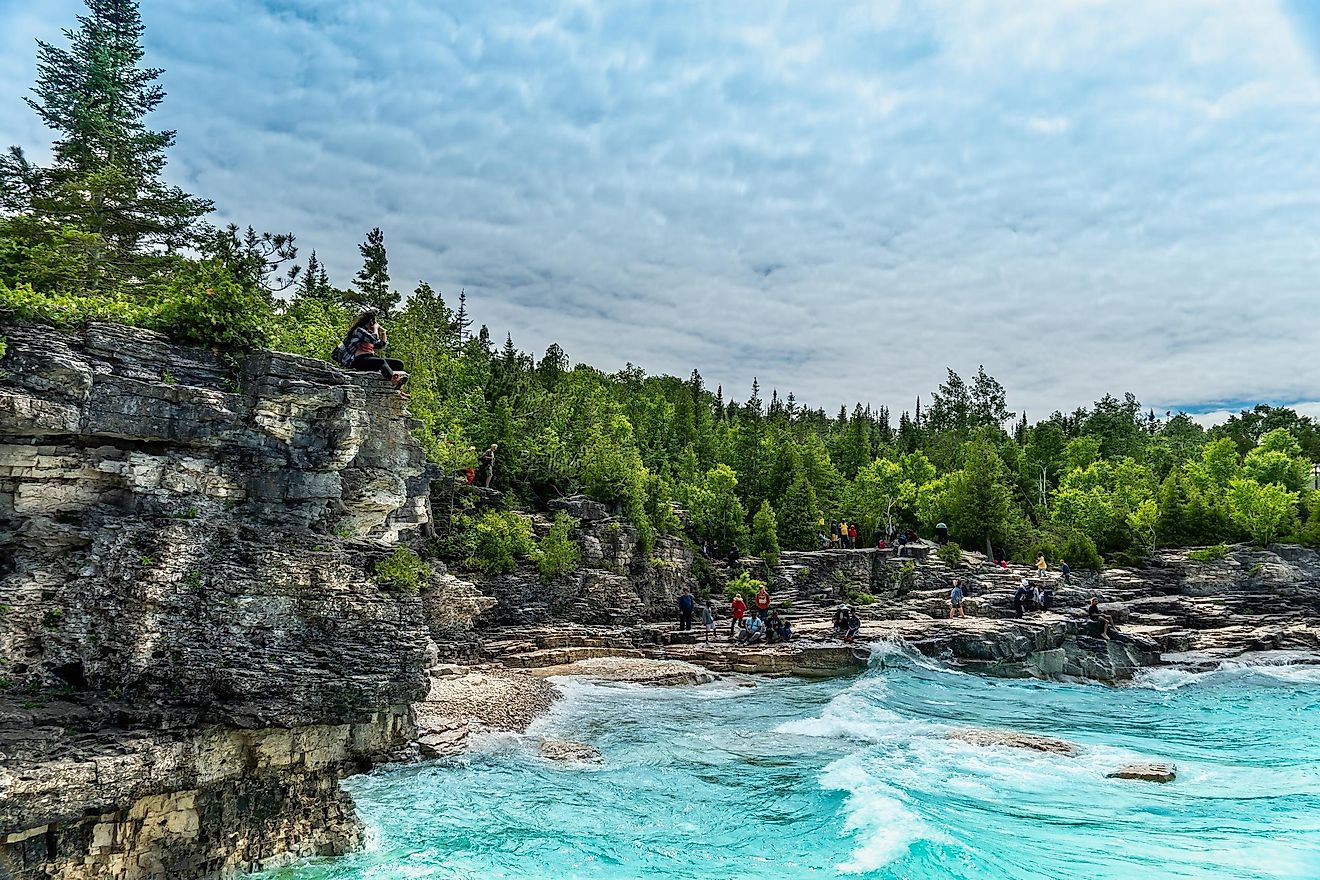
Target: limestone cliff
193 649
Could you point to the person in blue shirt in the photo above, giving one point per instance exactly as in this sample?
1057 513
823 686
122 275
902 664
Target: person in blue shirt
686 606
956 597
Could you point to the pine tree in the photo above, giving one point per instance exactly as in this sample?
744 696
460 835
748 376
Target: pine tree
373 279
314 285
1311 530
105 179
765 538
799 516
462 320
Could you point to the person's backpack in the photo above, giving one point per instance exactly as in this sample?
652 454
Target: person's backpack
342 356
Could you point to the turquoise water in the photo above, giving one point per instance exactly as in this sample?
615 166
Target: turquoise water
855 777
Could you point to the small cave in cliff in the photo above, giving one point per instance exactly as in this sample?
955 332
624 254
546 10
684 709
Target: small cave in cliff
72 674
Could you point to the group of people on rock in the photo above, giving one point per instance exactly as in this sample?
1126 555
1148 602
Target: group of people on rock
712 550
747 626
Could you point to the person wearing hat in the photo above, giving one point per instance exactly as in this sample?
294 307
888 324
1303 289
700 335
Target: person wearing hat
841 620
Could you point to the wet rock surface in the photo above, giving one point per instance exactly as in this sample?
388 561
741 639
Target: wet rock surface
1015 740
1146 772
569 752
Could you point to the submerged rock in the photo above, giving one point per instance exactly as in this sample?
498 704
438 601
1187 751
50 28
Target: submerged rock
1015 740
1147 772
569 752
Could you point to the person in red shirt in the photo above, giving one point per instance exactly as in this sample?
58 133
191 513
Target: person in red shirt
763 603
737 610
852 536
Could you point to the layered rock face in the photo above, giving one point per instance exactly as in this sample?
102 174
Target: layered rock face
193 649
617 582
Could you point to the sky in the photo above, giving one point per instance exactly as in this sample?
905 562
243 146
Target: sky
839 199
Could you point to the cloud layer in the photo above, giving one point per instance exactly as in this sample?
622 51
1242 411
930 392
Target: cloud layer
838 198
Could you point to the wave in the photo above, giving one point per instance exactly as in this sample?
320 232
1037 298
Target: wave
1284 667
876 815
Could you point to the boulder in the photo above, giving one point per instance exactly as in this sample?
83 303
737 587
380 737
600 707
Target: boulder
568 752
1147 772
1015 740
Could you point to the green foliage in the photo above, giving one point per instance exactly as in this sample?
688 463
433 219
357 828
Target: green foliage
502 538
1310 534
717 514
558 554
1213 553
765 536
950 554
1265 513
1144 520
743 585
799 519
1073 547
859 597
403 570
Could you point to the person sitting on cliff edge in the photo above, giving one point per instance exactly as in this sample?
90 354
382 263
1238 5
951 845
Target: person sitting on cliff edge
360 351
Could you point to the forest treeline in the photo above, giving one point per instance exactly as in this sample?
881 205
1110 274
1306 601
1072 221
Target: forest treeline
98 235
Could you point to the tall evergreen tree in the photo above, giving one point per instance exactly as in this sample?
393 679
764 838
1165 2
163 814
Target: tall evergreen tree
462 320
373 279
314 284
105 179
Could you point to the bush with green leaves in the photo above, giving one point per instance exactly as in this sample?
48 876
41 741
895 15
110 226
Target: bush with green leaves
743 585
765 538
402 570
1073 547
950 554
502 538
558 554
1213 553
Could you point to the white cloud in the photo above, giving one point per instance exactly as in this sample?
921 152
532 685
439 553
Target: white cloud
1085 197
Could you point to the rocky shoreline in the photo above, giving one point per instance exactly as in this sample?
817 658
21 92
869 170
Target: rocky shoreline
194 649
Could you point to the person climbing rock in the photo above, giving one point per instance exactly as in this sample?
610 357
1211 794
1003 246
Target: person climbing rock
1065 571
360 351
1020 598
487 469
1041 565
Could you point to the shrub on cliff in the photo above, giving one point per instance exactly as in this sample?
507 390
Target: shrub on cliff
503 537
950 554
403 570
558 554
743 585
1209 554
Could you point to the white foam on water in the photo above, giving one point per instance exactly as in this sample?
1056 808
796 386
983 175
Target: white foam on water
1286 667
877 817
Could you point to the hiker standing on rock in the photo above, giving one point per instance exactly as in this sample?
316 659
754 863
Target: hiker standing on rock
487 469
708 619
1065 571
852 536
686 605
737 610
763 603
956 597
942 533
1041 565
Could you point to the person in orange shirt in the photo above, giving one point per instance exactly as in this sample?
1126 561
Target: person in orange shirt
763 603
